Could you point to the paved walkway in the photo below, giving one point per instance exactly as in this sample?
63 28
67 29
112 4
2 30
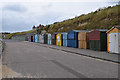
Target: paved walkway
103 55
33 60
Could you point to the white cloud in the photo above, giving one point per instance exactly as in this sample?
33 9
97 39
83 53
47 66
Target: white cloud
59 0
0 17
14 7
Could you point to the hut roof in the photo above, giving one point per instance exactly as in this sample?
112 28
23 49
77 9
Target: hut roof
118 27
78 30
104 30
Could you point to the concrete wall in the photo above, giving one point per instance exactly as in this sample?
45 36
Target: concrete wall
19 37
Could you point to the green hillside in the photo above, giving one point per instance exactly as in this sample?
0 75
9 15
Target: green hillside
100 19
17 33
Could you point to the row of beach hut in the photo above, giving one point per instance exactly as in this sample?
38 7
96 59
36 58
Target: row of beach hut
99 39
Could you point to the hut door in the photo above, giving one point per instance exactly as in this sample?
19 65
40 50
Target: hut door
113 42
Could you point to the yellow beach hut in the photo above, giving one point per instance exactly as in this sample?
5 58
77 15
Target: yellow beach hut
59 39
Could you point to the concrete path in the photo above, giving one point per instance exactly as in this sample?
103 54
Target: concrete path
103 55
30 60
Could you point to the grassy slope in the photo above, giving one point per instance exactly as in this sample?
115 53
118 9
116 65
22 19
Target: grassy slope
12 34
100 19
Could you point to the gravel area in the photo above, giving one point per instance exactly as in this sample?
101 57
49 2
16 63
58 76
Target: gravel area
0 60
2 45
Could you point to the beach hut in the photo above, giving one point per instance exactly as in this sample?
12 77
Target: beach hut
36 38
26 38
49 39
59 39
113 40
98 40
41 38
54 38
83 39
45 38
33 38
73 38
65 39
29 38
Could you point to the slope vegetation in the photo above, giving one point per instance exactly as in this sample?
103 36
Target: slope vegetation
100 19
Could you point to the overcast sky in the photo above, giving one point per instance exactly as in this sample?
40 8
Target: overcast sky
21 15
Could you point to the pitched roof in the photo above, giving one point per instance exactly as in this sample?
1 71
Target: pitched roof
118 27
